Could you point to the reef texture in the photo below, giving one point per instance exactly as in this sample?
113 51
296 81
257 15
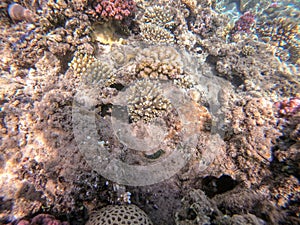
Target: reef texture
221 77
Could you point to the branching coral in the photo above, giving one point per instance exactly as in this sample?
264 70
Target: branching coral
280 31
116 9
244 24
99 73
146 101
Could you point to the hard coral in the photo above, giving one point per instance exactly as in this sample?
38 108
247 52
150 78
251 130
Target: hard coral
280 31
288 107
244 24
117 9
146 101
119 214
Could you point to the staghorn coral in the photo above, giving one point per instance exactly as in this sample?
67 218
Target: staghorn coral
146 101
122 214
162 16
157 70
248 50
157 23
116 9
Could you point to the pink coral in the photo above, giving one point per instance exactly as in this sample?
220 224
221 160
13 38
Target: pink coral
244 24
288 107
114 9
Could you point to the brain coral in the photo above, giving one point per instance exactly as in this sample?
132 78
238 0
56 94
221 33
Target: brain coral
119 214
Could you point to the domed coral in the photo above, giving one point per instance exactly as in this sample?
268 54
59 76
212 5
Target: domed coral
119 214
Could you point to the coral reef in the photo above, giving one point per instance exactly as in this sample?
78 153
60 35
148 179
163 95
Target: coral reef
123 214
109 61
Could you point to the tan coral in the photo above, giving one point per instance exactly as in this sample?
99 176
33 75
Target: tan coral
146 101
155 33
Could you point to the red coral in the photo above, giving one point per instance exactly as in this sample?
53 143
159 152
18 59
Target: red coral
244 24
42 219
288 107
113 9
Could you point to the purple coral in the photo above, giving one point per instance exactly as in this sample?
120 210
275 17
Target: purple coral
42 219
288 107
244 24
113 9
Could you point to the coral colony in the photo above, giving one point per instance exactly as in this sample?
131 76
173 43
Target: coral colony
191 76
118 9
